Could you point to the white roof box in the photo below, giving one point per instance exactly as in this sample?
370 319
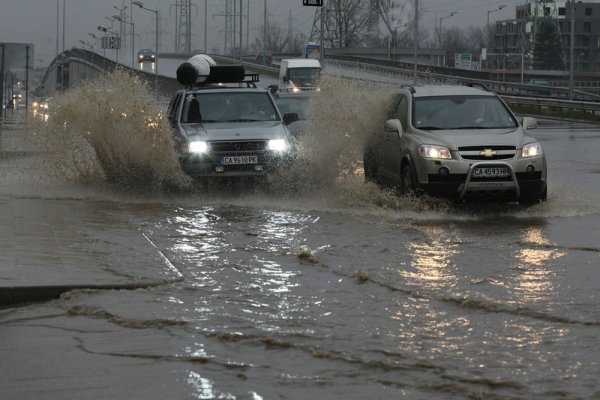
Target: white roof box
195 70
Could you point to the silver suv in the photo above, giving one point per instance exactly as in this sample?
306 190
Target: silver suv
458 142
228 129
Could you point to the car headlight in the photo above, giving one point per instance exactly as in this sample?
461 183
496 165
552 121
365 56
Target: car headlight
435 152
198 147
277 145
532 150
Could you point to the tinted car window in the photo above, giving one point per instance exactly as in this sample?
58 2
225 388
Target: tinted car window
461 112
228 107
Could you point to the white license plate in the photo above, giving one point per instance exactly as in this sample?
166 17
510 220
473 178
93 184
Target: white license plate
236 160
490 172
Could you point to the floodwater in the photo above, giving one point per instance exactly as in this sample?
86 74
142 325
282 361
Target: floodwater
333 289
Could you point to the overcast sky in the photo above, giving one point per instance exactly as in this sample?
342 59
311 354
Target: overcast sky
35 21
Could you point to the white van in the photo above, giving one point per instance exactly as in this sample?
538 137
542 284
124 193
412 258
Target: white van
300 73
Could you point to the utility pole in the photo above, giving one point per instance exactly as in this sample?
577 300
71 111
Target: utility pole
229 26
247 24
63 27
241 30
322 37
234 24
572 50
183 26
416 34
265 27
289 33
57 24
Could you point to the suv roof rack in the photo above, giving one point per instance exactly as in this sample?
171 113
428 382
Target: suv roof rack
218 75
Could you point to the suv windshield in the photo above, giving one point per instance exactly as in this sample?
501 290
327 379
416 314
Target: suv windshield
461 112
228 107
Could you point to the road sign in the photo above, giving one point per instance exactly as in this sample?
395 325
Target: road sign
317 3
111 42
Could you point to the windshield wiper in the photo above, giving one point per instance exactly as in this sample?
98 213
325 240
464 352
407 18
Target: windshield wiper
430 128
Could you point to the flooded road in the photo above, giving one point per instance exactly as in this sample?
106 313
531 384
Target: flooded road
346 292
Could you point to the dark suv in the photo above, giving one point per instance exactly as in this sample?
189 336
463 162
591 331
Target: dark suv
226 126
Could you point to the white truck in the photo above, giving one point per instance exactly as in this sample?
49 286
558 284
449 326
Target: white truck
300 73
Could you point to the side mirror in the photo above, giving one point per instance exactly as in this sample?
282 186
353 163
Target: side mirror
529 123
288 118
393 125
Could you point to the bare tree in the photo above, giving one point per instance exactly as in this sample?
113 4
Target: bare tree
347 22
476 38
389 12
276 39
297 43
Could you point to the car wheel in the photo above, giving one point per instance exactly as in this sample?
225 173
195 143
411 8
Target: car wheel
531 200
408 185
370 167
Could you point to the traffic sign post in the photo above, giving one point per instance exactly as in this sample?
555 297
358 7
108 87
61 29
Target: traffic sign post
111 42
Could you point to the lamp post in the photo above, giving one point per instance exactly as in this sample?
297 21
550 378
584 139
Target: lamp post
118 18
156 15
122 30
452 14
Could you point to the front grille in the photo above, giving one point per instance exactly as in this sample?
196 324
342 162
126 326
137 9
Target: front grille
234 146
477 153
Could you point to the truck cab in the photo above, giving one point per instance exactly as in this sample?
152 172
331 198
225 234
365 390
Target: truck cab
300 73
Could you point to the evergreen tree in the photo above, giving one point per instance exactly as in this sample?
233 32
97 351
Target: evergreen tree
547 50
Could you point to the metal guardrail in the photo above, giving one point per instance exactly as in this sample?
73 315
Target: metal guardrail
533 99
503 88
541 98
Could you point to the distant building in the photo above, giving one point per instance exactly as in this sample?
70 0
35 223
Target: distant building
517 36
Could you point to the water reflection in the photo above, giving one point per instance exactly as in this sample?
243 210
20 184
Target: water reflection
536 271
204 388
196 238
432 259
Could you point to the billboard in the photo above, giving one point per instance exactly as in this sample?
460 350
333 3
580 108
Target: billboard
15 55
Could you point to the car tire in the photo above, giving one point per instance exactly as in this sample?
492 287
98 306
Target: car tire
408 185
531 200
370 167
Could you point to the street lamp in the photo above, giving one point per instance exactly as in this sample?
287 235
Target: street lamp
494 10
118 18
156 15
452 14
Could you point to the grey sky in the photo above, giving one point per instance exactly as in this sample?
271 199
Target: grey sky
34 21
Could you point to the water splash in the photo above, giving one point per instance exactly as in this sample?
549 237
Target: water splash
110 129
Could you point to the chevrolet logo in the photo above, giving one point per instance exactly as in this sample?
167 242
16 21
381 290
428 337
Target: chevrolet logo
487 153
